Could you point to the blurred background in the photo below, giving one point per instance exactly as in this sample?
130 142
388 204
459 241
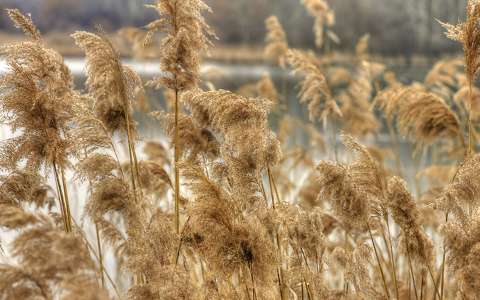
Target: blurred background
397 27
405 37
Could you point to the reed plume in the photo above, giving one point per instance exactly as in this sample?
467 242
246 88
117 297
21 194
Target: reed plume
111 84
354 189
324 18
462 193
414 240
277 44
49 262
195 143
25 23
462 243
468 34
315 90
229 242
36 99
348 203
361 48
436 121
21 189
446 73
358 116
187 35
237 118
264 88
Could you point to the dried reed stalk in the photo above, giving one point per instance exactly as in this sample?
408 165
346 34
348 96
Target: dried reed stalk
187 36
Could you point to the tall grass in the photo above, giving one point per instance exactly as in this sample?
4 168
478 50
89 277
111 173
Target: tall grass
238 210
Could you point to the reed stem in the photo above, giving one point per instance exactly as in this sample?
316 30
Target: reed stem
100 255
378 261
392 258
92 250
65 197
470 125
411 271
433 281
254 291
130 153
443 265
274 185
176 167
271 187
61 195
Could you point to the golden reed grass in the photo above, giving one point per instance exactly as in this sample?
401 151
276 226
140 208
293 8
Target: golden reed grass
239 211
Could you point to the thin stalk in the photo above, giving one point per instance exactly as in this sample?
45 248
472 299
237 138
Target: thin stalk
100 255
411 271
442 285
254 292
433 281
422 286
246 286
345 246
470 126
63 210
279 269
177 171
92 250
262 188
205 165
301 285
409 290
279 248
280 287
130 140
392 259
176 151
181 241
65 197
135 161
115 153
379 263
133 153
274 185
271 187
60 203
307 287
131 160
437 279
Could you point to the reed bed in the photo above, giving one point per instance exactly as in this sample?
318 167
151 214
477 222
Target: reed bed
225 206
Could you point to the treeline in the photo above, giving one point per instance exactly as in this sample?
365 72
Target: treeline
396 26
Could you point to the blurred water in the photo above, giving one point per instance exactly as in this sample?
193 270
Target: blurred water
232 77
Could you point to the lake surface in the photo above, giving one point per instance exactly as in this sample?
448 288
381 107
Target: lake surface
232 77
